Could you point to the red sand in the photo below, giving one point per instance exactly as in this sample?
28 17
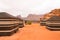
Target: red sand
34 32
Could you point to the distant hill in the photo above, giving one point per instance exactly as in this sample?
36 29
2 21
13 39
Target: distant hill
33 17
19 16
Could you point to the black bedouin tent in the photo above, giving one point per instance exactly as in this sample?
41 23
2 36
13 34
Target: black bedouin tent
53 22
8 24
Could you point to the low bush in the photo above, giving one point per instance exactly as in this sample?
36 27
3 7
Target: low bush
28 22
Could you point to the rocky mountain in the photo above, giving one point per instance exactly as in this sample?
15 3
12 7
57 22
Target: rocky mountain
33 17
55 12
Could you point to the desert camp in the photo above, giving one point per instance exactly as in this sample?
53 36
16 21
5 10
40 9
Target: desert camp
29 19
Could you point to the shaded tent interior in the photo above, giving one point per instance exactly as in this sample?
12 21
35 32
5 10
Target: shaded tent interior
43 22
21 23
53 22
8 24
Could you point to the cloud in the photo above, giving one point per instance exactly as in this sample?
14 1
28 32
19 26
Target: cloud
25 7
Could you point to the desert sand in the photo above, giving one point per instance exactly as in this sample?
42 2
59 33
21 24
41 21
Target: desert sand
33 32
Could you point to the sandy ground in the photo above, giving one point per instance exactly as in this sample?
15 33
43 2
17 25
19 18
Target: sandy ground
33 32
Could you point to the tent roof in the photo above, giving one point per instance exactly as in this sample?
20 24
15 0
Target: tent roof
54 18
4 15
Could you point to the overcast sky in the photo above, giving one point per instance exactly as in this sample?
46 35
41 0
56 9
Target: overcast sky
25 7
